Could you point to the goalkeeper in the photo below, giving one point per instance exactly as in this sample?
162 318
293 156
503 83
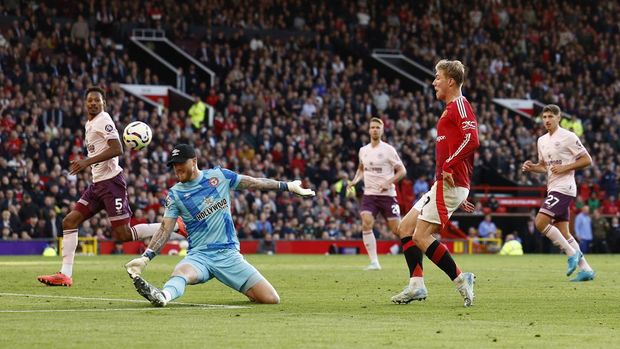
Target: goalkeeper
202 198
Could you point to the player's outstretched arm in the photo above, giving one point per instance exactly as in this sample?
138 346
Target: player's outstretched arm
137 265
247 182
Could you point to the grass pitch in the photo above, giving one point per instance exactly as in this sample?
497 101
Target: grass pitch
327 302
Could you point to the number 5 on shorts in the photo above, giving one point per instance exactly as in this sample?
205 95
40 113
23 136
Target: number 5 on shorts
118 204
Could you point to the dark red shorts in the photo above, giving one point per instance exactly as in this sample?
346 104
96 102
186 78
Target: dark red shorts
386 205
110 194
557 206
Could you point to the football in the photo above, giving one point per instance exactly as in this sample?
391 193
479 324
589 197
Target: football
137 135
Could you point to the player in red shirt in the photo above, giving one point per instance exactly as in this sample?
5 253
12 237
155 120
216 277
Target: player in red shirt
457 141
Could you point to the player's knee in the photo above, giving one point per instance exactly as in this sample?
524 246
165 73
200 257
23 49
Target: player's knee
403 230
122 233
70 222
541 223
270 298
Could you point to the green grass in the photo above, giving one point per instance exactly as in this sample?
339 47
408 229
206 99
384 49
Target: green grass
327 302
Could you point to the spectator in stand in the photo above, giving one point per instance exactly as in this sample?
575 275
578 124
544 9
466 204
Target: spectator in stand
486 228
420 187
600 232
512 246
197 113
614 235
583 229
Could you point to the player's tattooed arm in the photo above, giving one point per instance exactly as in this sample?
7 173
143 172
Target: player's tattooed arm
247 182
162 235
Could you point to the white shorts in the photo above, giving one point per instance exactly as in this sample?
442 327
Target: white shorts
428 204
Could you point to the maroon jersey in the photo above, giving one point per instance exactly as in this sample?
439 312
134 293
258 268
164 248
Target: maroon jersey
457 140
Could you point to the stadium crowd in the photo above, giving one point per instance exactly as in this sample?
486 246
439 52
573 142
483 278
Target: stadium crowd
294 106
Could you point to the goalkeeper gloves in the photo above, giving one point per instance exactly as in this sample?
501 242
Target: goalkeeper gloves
137 265
295 187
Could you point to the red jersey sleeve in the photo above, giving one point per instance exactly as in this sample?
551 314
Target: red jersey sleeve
466 135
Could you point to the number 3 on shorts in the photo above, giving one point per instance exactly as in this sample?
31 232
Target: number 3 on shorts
118 204
551 201
396 209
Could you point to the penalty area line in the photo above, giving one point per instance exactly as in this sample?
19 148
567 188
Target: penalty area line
99 299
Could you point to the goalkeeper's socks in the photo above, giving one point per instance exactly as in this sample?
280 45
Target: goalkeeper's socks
413 256
438 253
69 243
583 264
143 231
175 287
371 245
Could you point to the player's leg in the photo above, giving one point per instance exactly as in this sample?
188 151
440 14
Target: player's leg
263 292
415 290
368 212
544 224
231 268
85 208
370 242
191 270
585 270
444 201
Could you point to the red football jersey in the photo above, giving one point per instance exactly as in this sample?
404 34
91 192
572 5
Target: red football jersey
457 140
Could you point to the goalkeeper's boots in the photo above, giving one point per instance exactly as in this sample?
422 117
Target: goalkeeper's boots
410 294
180 227
583 275
573 262
466 288
58 279
150 292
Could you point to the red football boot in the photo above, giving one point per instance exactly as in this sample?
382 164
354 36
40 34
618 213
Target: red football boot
181 227
58 279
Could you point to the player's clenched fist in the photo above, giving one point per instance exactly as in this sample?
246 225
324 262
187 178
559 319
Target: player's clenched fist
136 266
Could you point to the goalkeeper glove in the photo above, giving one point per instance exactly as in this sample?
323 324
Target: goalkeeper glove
137 265
295 187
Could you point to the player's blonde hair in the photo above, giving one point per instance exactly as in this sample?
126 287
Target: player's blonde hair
377 120
452 69
552 108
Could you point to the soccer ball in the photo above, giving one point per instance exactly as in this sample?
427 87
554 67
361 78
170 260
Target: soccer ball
137 135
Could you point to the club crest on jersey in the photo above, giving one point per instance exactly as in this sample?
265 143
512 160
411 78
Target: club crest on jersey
91 148
214 181
109 128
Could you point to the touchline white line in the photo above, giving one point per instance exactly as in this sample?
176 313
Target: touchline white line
173 304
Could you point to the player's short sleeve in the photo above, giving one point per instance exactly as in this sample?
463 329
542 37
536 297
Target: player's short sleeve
394 158
108 129
172 208
360 153
538 147
232 177
574 145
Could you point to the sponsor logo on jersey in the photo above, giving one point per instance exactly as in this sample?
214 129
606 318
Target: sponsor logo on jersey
440 138
216 206
168 201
